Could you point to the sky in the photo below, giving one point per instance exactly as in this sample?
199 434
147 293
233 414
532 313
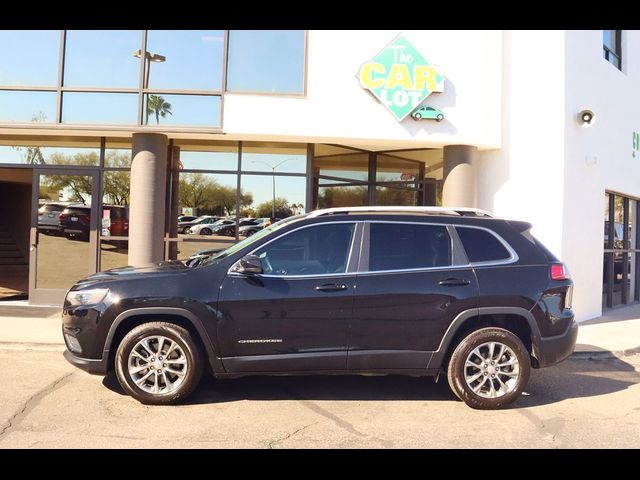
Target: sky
266 60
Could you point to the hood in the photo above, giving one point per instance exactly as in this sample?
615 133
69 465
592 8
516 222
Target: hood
170 267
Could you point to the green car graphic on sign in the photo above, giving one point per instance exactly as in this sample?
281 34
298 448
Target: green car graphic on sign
428 112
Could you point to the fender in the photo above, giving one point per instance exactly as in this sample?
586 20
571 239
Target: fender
216 363
438 355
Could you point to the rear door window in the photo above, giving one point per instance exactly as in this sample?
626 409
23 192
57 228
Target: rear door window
403 246
482 245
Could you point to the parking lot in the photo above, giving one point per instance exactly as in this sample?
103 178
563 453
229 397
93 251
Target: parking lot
52 405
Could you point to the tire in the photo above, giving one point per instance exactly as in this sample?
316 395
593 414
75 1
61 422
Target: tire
186 357
439 118
249 233
206 231
509 386
417 116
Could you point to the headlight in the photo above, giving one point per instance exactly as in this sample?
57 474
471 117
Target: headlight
87 297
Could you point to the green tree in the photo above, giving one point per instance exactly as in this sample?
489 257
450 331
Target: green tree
117 183
342 196
33 155
282 210
79 185
159 107
205 195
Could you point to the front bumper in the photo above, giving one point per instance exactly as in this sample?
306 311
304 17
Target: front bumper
90 365
551 350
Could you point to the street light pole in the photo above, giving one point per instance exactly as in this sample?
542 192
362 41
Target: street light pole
148 58
273 178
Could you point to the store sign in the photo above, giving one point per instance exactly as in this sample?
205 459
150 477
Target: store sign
636 144
400 77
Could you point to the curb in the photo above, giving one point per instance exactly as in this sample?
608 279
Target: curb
604 355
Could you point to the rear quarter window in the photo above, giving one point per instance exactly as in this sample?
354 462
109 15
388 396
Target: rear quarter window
481 245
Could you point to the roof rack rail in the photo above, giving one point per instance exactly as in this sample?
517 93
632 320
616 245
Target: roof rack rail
462 211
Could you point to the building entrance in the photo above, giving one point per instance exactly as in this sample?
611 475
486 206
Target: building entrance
63 234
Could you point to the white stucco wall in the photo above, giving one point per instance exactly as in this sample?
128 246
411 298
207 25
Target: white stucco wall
550 171
524 180
591 82
337 109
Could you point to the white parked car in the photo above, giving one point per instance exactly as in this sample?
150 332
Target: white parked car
208 228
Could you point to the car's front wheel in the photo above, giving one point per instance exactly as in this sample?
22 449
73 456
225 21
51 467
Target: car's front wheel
206 231
489 368
159 363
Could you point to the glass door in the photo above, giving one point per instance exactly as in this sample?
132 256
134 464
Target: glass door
64 223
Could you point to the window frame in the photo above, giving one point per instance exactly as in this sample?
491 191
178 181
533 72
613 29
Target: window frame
616 53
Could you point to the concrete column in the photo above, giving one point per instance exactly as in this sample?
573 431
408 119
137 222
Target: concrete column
459 188
148 191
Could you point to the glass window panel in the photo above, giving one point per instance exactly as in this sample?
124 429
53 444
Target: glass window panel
44 155
18 45
192 110
25 106
322 249
102 58
389 169
633 233
99 108
113 254
266 61
262 156
608 257
207 194
397 246
193 59
481 246
347 167
224 158
259 191
63 256
116 193
115 156
400 196
343 196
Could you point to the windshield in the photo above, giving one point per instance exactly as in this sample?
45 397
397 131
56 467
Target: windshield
249 240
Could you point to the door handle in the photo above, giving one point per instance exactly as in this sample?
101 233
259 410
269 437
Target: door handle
331 287
454 282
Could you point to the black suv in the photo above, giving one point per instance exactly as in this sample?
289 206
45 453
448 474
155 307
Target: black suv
362 290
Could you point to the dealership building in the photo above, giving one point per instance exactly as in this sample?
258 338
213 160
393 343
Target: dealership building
123 131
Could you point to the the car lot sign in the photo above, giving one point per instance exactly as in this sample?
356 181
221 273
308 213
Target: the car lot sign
400 77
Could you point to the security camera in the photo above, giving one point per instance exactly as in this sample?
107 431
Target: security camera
586 118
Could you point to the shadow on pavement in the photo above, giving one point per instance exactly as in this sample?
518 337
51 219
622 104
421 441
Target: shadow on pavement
573 378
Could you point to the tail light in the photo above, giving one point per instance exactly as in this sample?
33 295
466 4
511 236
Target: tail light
85 218
62 216
559 271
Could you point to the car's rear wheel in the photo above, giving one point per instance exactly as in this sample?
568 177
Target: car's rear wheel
159 363
489 368
205 231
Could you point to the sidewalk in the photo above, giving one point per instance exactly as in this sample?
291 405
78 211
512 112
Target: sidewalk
618 331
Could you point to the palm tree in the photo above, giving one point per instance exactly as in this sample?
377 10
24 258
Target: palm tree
159 107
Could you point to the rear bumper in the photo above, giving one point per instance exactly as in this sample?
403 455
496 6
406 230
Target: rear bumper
90 365
552 350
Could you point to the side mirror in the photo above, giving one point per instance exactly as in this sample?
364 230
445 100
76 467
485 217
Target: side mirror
249 264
